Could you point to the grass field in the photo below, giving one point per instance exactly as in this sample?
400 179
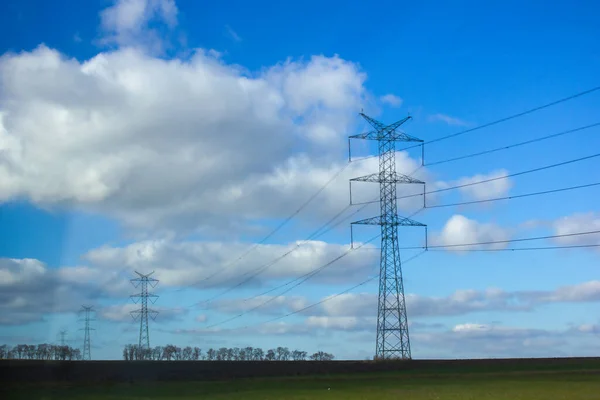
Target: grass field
525 385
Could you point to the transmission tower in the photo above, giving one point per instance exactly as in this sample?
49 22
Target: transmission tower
142 313
87 310
393 340
62 338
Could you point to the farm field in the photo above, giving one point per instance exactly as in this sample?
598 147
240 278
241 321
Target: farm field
555 383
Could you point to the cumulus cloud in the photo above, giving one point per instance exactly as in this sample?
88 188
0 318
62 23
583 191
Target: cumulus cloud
460 230
29 290
122 312
179 144
476 340
357 308
496 188
392 100
127 23
588 328
577 223
463 340
201 318
342 323
273 305
173 143
185 264
458 303
452 121
583 292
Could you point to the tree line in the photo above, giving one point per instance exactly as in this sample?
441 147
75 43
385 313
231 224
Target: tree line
41 351
174 353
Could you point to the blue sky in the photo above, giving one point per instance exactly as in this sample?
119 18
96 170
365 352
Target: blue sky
109 130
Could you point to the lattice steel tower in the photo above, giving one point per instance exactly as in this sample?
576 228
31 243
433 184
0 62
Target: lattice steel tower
87 310
63 333
393 340
142 313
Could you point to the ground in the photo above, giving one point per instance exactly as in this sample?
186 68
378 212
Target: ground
557 384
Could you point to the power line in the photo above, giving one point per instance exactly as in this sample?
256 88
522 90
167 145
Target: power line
289 252
281 225
444 246
305 277
515 115
404 262
513 175
492 179
313 236
517 196
302 276
514 145
408 260
518 240
301 279
578 246
255 272
498 121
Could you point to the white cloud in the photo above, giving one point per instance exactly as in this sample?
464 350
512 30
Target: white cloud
488 190
583 292
341 323
273 304
172 142
21 271
185 264
233 34
201 318
460 230
127 23
392 100
453 121
588 328
122 312
470 328
29 290
350 304
577 223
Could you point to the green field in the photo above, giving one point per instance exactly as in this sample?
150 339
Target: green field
526 385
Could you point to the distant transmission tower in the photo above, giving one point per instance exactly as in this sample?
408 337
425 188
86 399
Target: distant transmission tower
87 310
62 338
393 340
142 313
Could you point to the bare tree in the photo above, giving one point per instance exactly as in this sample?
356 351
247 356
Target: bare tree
222 354
321 356
4 349
172 352
271 355
197 354
259 354
157 353
186 353
249 353
298 355
211 354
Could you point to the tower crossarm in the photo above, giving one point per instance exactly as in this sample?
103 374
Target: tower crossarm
381 220
385 132
394 178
